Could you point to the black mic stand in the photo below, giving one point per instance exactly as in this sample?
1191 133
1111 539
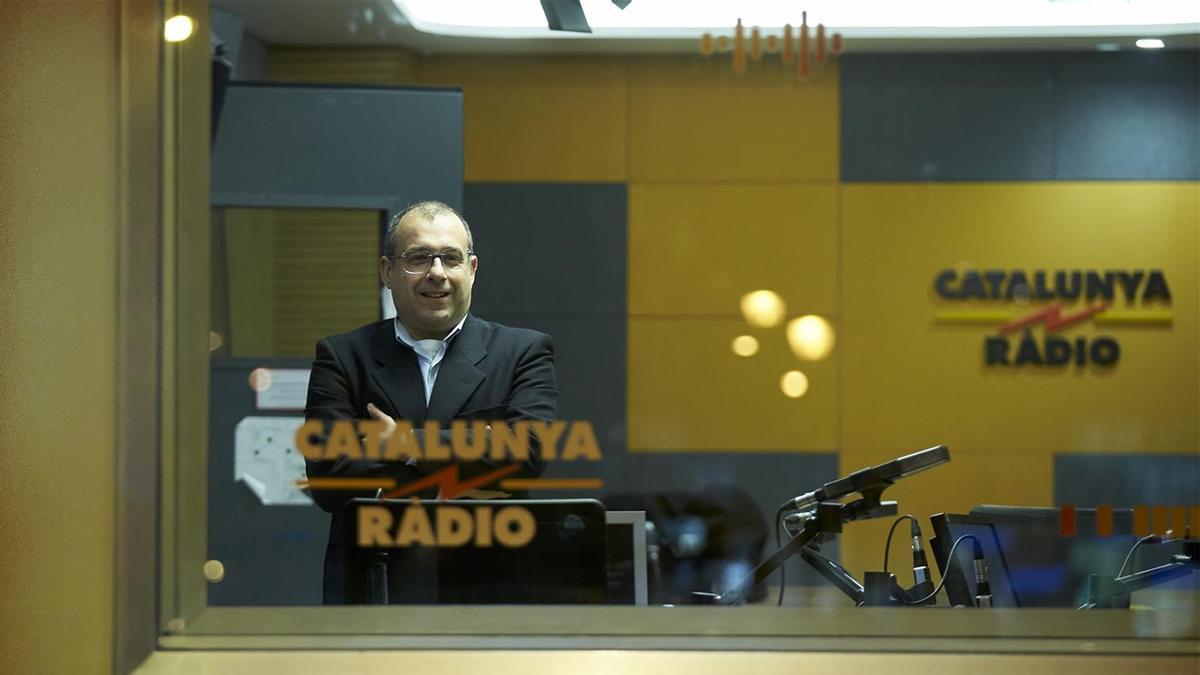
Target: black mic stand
827 519
878 589
1113 592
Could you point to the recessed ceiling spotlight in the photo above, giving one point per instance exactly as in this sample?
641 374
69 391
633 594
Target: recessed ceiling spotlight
1150 43
1108 47
178 28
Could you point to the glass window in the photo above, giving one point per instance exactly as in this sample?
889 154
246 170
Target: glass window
693 336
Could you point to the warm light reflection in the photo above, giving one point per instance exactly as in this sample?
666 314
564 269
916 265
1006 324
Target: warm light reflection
810 337
214 571
764 309
793 384
745 345
260 379
178 28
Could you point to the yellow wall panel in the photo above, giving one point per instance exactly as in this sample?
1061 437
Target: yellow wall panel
539 119
697 248
689 391
342 65
692 119
912 381
1022 478
59 265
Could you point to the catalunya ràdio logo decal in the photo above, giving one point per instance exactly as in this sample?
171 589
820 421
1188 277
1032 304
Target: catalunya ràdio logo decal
1040 317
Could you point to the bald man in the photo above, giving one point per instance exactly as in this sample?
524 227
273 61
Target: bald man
434 361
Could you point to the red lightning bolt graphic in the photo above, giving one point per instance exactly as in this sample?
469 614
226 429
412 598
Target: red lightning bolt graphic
447 480
1053 317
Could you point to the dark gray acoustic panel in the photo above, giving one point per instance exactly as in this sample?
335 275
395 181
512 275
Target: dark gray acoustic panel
552 258
1020 117
553 249
918 117
1127 116
589 355
273 555
1126 480
338 146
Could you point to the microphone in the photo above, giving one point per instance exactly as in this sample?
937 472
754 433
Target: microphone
924 585
874 478
983 590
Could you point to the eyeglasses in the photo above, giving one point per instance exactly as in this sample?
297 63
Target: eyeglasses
419 262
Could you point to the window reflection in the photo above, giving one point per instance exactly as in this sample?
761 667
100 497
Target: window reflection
746 289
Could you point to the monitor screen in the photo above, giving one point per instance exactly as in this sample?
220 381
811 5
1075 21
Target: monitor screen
1041 567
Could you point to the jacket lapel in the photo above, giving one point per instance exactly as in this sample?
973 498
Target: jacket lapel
458 376
398 376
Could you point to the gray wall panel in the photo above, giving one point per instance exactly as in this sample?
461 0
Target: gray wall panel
340 147
1128 116
273 555
552 258
917 117
589 356
1126 480
1020 117
549 249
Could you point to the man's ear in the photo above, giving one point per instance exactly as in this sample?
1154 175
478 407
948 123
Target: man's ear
385 269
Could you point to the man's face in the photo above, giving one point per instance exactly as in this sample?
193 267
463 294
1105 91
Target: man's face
430 303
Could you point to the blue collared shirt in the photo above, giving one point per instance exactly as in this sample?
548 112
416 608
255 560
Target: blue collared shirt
429 353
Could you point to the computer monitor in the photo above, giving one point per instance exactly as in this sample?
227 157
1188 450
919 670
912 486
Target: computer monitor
1041 567
960 583
563 562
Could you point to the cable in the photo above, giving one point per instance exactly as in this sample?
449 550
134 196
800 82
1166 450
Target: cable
783 565
1129 556
949 561
892 531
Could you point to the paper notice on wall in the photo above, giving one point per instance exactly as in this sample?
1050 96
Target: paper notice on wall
280 388
265 459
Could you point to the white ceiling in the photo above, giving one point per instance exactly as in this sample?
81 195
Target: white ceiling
868 25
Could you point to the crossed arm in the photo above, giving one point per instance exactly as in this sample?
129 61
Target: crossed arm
532 395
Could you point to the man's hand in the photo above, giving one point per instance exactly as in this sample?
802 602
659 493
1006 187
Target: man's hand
389 424
389 428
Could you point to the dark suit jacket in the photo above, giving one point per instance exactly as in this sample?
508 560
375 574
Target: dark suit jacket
490 372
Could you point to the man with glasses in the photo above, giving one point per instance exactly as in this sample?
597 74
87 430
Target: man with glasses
434 362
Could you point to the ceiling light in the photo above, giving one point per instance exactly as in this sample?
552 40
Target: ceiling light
764 309
865 18
745 345
1108 47
793 384
810 337
178 28
1150 43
